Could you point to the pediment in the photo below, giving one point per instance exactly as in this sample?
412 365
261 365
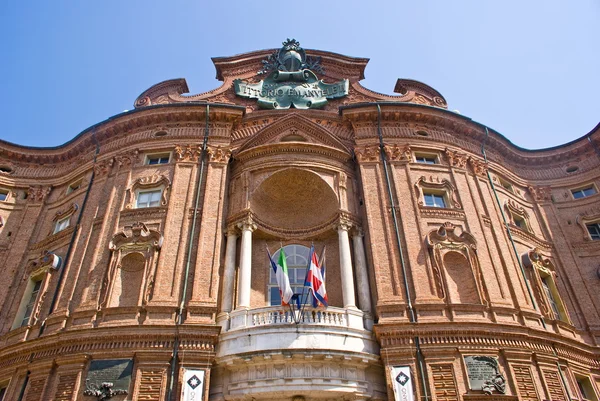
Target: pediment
294 128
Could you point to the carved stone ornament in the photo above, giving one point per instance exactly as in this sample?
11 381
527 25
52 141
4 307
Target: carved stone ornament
456 159
136 236
103 167
541 193
61 214
367 154
512 208
479 166
127 159
291 81
37 194
218 154
102 392
440 185
153 181
397 153
445 239
187 153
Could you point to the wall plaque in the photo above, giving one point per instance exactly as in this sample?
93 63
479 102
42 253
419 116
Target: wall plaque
484 374
109 377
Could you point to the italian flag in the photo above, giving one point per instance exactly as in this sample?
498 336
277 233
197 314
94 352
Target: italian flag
281 275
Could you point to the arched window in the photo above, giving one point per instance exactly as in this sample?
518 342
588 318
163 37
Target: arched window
296 257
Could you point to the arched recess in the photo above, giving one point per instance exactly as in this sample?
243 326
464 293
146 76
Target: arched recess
456 270
129 279
294 199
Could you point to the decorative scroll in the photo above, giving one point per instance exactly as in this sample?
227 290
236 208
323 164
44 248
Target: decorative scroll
444 240
513 209
219 155
187 153
127 159
479 166
103 167
37 194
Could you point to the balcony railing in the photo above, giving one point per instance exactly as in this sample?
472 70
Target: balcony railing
270 316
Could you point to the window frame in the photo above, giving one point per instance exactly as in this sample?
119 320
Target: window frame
74 186
426 156
585 388
159 157
596 226
21 318
582 191
141 192
6 194
435 194
60 226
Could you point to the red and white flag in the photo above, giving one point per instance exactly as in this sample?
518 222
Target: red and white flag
314 278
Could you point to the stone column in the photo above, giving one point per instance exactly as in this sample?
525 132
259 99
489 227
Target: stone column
362 276
228 276
346 264
245 273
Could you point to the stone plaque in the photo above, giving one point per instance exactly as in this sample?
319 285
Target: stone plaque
484 373
108 376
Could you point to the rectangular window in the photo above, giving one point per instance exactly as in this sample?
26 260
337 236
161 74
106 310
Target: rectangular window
505 184
3 195
425 159
31 302
62 224
149 198
583 192
158 159
594 230
585 388
434 200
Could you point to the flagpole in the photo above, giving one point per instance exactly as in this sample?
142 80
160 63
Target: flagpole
312 249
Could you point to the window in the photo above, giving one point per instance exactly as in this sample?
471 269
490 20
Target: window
585 388
594 230
149 198
520 222
62 224
296 257
547 284
3 195
426 159
505 184
583 192
434 199
74 186
29 300
158 159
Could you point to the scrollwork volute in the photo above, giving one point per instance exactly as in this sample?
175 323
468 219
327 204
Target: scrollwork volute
37 194
218 154
456 159
479 167
397 153
540 193
367 154
187 153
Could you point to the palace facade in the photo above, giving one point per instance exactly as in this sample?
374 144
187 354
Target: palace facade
458 266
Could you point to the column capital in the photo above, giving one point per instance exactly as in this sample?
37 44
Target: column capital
343 223
247 224
231 231
357 231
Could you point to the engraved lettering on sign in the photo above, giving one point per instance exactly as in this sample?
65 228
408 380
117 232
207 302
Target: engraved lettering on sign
107 378
484 374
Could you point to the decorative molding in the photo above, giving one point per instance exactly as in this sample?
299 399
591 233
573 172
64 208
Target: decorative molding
441 185
219 155
187 153
397 153
153 181
456 159
367 154
512 208
540 193
65 213
136 237
591 216
127 159
103 167
479 167
443 240
37 194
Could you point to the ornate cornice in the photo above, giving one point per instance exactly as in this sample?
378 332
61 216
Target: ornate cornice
292 147
136 236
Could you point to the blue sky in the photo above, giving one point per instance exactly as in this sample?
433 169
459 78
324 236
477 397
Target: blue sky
529 69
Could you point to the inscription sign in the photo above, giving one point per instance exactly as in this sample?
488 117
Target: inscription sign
484 374
107 378
291 81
